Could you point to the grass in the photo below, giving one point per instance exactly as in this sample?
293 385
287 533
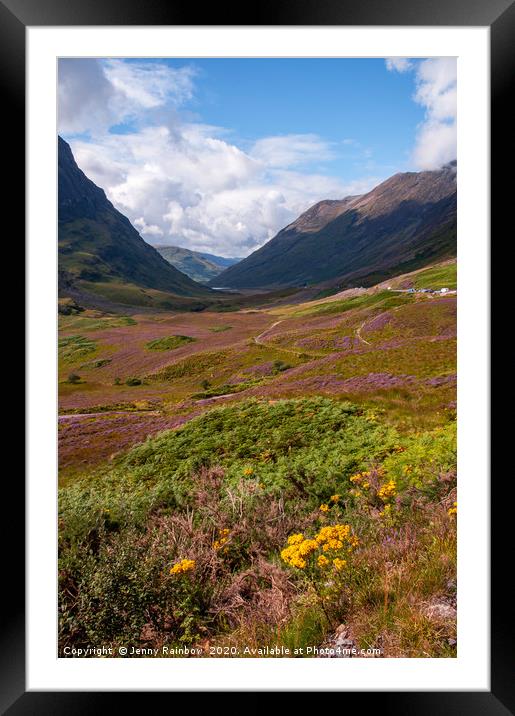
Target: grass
280 442
260 465
220 366
74 348
260 471
422 359
438 277
169 343
135 296
220 329
226 389
93 323
384 299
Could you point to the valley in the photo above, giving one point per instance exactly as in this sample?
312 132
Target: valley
268 468
394 351
179 431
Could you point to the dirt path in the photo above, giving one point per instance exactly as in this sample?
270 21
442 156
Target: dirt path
296 352
371 318
257 339
358 333
259 342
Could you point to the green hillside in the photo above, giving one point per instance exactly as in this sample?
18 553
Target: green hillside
100 250
195 264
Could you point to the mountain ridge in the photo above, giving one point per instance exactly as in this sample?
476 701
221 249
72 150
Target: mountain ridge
197 265
98 245
405 222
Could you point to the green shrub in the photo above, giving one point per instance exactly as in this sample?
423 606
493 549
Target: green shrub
127 587
133 381
68 307
221 496
425 459
168 344
96 363
303 449
280 366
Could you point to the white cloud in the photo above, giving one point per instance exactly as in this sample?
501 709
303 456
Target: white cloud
436 91
291 150
186 187
398 64
147 229
97 94
150 85
84 95
436 145
187 183
436 82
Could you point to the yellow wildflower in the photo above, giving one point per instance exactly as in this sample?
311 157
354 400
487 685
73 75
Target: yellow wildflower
335 498
386 511
185 565
248 471
305 548
453 510
339 564
291 556
329 539
223 536
324 508
387 490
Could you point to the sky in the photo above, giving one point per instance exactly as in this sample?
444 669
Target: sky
217 155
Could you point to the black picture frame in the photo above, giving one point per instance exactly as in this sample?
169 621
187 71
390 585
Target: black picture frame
499 15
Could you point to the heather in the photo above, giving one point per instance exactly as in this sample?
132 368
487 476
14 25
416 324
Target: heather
88 440
266 482
194 535
304 444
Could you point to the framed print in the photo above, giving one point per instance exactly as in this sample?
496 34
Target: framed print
258 421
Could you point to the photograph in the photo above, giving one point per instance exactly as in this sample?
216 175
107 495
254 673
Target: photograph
258 259
258 309
257 357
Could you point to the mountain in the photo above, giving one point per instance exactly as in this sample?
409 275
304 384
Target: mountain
222 261
405 223
198 266
100 250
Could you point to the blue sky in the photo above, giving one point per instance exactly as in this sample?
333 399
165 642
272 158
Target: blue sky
219 154
352 100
